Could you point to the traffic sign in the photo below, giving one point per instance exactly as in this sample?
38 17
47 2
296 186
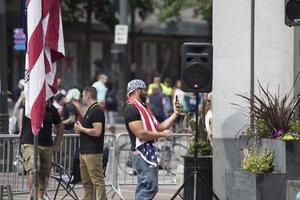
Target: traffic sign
121 34
19 39
19 47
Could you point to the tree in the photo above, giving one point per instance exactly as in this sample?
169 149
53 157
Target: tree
104 11
170 10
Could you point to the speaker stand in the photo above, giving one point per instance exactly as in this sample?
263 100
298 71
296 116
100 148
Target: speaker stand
195 174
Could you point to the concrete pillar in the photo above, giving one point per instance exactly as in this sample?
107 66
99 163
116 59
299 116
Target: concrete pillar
273 64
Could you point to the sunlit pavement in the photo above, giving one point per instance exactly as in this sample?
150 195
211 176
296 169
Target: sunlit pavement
165 193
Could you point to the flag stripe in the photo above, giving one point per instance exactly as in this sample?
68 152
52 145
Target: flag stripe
45 47
38 105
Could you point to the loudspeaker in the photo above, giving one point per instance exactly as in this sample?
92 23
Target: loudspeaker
292 12
196 67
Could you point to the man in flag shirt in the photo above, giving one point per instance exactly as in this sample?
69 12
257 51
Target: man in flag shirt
143 130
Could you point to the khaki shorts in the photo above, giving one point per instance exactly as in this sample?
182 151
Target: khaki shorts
44 161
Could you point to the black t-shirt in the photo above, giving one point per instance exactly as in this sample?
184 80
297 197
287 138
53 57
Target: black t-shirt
131 113
91 144
45 134
69 110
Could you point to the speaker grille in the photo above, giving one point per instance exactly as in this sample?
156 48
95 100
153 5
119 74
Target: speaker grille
196 75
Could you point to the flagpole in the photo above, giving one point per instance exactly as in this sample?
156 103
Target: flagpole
35 168
3 71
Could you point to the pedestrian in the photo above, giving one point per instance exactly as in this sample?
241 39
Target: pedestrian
111 105
157 99
101 88
17 91
73 96
91 132
68 114
46 147
143 130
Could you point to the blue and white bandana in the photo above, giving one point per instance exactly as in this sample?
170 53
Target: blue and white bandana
135 84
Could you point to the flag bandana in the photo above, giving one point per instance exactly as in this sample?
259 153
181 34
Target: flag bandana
45 46
146 149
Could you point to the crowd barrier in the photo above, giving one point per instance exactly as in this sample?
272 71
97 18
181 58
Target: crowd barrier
119 170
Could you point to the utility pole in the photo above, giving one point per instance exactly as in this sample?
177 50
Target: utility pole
123 49
3 70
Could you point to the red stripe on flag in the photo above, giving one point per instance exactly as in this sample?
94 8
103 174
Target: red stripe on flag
35 45
47 64
38 113
52 34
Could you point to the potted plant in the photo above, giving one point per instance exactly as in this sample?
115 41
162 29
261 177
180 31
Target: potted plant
256 180
274 126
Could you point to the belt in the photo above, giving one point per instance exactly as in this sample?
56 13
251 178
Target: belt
135 153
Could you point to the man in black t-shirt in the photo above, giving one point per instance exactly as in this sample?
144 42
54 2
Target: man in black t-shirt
91 145
46 146
143 130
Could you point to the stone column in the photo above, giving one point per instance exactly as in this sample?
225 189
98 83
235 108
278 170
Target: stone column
273 64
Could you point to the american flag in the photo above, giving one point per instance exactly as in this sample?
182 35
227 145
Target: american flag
146 149
45 46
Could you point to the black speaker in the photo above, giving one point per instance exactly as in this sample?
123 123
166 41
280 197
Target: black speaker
292 12
196 67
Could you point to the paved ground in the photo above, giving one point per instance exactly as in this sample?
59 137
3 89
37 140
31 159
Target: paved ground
165 193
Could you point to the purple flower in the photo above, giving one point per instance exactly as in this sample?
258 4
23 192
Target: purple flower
277 133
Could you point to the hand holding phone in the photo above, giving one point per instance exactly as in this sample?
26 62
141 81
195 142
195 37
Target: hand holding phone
177 104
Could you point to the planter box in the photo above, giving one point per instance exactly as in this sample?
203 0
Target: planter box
286 155
204 182
248 186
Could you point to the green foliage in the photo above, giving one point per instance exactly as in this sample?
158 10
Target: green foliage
295 126
143 7
170 10
256 162
205 148
259 130
72 10
271 114
104 11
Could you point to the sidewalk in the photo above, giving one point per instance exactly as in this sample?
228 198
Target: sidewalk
165 193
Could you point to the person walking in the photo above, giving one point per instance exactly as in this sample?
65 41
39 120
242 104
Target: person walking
143 130
46 147
91 133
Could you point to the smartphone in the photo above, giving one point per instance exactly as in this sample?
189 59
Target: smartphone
176 99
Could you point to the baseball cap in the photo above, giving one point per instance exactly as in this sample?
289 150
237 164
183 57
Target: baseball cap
135 84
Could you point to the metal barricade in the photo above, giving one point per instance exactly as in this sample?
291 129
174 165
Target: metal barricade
169 158
119 169
12 172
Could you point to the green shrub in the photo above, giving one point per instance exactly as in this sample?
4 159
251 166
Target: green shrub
255 162
205 148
